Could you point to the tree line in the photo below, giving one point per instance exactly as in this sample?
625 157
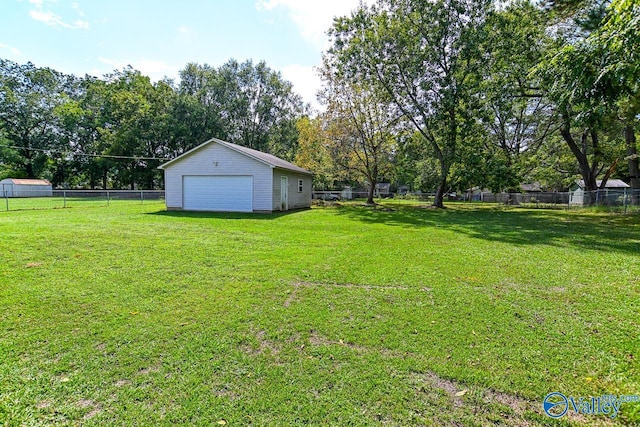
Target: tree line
439 95
453 94
114 132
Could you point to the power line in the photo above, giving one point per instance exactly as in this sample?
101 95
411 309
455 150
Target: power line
108 156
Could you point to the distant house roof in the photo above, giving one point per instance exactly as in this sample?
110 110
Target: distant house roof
20 181
532 187
269 159
611 183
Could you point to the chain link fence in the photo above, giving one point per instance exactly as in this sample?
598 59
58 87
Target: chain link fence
624 200
60 199
619 200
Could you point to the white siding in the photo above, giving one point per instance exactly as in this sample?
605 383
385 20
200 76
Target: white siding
215 159
296 200
9 189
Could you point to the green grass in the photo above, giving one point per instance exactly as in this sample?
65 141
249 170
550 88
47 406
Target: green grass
347 315
96 199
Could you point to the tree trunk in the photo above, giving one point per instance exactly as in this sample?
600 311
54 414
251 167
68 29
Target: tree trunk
442 187
372 189
632 155
133 176
372 176
29 169
587 171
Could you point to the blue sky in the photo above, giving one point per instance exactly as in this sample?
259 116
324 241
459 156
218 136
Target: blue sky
160 37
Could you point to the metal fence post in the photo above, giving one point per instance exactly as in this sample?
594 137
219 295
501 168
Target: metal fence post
141 196
624 201
6 199
64 198
107 197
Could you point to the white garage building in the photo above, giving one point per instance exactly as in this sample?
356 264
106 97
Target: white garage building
225 177
14 187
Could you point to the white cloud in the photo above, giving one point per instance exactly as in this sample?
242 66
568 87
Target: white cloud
305 80
156 70
54 20
13 50
76 7
313 18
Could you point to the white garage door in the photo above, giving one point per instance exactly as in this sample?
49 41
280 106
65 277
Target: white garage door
218 193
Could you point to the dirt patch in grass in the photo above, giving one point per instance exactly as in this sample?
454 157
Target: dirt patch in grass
320 340
264 345
349 285
33 265
149 370
294 294
43 404
87 403
476 399
465 398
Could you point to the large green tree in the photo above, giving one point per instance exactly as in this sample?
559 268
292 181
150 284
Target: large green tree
314 154
620 41
513 118
362 127
421 53
586 80
29 100
245 103
113 131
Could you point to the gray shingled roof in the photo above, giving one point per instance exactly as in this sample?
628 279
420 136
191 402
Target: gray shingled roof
611 183
269 159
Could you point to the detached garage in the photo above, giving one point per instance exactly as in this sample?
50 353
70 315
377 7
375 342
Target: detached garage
225 177
13 187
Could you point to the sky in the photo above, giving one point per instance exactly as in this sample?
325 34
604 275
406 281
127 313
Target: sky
159 38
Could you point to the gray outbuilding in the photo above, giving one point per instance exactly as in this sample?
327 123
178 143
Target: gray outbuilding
225 177
613 187
18 187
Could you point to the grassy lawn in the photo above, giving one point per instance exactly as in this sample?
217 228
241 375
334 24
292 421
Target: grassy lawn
131 315
95 199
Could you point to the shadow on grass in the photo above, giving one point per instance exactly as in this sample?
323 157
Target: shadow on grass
226 215
605 232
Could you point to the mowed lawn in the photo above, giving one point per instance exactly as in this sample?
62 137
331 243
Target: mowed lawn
345 315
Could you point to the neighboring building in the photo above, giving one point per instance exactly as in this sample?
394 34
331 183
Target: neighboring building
383 189
347 193
14 187
533 187
613 189
403 190
225 177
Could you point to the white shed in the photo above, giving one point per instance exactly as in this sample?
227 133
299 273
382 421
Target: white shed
225 177
14 187
613 186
